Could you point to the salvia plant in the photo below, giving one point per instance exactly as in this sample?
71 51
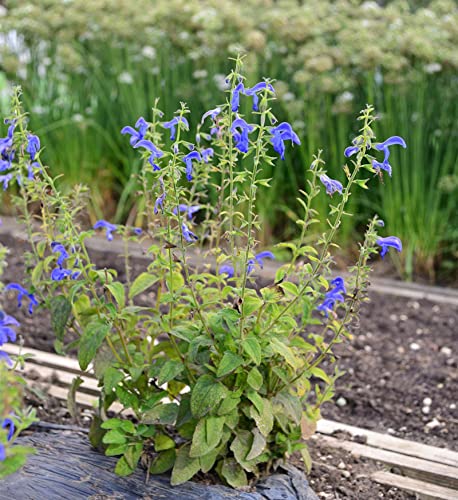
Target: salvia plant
204 362
13 416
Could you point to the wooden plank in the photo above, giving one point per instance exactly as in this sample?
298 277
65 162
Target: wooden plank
426 491
63 377
391 443
47 359
433 472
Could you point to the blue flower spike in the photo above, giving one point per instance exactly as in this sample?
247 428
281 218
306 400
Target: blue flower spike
385 147
386 243
334 295
103 224
155 152
235 99
7 142
253 92
136 135
280 134
188 235
33 146
213 113
172 124
21 293
240 130
193 155
207 154
351 150
227 269
189 209
331 185
6 424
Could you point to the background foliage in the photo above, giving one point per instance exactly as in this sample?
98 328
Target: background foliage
87 68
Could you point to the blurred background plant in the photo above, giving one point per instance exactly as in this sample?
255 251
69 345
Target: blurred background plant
89 67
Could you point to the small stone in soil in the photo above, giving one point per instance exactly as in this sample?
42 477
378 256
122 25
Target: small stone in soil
426 410
427 401
433 424
414 346
341 401
446 350
452 406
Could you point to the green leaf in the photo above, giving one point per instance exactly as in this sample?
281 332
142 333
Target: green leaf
117 290
254 379
111 379
229 362
163 442
165 414
207 436
264 419
205 395
306 458
233 473
240 447
116 449
280 348
123 468
259 443
163 462
60 309
141 283
132 455
174 281
252 348
290 287
208 460
114 436
230 402
321 374
169 371
71 398
92 338
185 466
251 304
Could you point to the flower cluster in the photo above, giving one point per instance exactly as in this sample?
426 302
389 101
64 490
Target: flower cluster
7 424
59 273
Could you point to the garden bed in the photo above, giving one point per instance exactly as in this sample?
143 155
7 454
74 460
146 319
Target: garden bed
401 373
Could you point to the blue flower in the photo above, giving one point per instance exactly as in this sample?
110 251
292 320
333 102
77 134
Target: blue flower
189 209
258 260
193 155
384 146
173 123
59 274
280 134
159 203
4 356
227 269
7 142
351 150
331 184
22 292
334 295
257 88
7 334
7 422
235 99
60 249
33 146
155 152
207 154
5 179
103 224
188 235
241 138
136 135
213 113
137 230
389 241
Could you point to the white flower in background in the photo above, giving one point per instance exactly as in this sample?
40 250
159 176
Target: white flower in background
432 68
200 74
78 118
3 11
289 96
148 52
344 97
125 77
